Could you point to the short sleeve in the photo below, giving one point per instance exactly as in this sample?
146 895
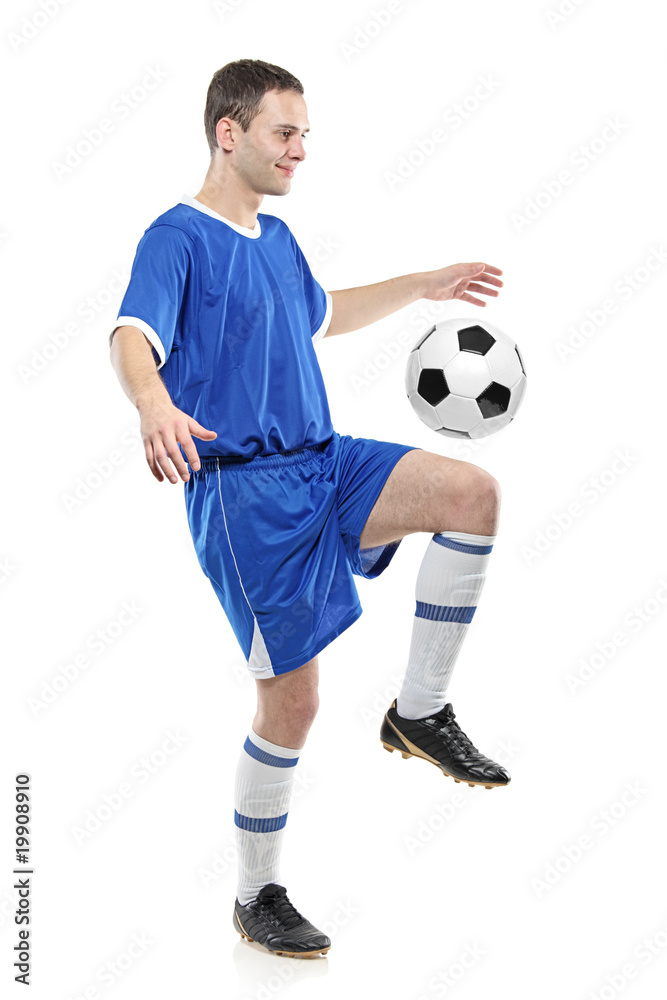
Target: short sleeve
319 302
153 301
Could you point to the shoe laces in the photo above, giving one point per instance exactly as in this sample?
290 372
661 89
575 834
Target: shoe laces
282 908
454 732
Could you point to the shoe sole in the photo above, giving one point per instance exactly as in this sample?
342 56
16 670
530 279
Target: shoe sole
408 749
288 954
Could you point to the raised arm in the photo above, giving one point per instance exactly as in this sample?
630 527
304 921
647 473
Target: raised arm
354 308
163 425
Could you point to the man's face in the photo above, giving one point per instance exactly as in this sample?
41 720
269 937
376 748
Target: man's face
267 155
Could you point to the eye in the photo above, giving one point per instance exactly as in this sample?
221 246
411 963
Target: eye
287 133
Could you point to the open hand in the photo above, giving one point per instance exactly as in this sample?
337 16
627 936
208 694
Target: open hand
163 428
458 281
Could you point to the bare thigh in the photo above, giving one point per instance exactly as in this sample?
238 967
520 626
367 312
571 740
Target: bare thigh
430 492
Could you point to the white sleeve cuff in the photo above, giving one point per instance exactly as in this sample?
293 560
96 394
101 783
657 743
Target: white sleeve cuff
327 319
147 330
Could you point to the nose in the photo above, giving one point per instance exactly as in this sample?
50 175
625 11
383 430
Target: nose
296 148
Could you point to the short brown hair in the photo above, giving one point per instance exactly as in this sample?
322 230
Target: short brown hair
236 91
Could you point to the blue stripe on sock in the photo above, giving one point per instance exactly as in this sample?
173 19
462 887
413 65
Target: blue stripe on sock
267 758
443 613
451 543
256 825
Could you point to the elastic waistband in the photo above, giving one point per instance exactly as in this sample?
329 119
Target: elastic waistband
214 462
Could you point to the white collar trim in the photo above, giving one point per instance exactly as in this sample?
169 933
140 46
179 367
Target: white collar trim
252 234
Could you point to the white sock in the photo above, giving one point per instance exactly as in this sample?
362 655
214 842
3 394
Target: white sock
449 583
264 778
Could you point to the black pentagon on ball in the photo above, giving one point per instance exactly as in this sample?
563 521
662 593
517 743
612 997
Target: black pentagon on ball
475 339
494 400
432 385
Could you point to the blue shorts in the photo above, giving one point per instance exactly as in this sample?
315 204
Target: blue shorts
278 537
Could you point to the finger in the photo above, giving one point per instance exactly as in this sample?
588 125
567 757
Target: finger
470 298
174 454
474 287
150 458
190 450
491 269
490 280
201 432
162 459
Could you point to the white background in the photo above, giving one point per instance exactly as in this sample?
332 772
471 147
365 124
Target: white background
406 870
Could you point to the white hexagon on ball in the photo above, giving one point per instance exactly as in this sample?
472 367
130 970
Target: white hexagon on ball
468 374
517 395
412 370
439 348
459 413
425 411
504 363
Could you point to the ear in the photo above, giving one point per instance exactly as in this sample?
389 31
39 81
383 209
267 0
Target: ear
224 132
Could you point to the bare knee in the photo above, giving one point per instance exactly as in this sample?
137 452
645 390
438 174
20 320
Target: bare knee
303 709
476 506
287 706
487 494
286 723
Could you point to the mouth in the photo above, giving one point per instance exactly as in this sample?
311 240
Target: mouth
285 170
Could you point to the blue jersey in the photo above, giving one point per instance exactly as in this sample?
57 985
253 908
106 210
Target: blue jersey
233 315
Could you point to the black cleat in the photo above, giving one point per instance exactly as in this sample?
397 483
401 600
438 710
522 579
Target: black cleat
273 922
442 741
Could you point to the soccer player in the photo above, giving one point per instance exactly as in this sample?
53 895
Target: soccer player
215 340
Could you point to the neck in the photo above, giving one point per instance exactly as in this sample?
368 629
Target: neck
226 196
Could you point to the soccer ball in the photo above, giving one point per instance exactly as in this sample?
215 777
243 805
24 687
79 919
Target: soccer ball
465 378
